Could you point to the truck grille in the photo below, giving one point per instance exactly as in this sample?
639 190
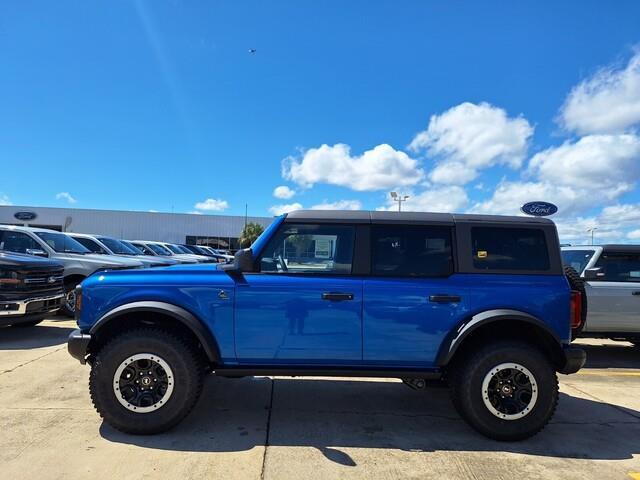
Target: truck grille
41 281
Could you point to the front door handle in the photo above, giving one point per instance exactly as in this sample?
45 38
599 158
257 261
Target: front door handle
337 296
444 298
637 292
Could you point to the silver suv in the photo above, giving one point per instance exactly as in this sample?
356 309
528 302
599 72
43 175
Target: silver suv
78 262
612 284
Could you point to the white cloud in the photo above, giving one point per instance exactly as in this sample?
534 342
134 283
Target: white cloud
469 137
594 161
339 205
607 102
195 212
284 208
634 234
4 200
66 196
376 169
442 199
283 192
212 204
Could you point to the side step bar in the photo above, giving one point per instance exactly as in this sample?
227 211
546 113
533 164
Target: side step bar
333 372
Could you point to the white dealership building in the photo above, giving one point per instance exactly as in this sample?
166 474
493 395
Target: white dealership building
219 231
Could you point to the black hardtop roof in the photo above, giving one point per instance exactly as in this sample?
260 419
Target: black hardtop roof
620 247
365 216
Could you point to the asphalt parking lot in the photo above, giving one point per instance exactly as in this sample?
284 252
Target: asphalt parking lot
275 428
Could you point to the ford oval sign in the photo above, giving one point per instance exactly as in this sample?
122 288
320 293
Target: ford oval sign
539 209
25 216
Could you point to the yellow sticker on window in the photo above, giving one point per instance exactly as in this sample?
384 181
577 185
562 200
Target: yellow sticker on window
482 254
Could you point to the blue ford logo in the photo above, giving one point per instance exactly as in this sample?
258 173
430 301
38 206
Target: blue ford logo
539 209
26 216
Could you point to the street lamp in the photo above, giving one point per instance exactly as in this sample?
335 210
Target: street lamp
591 230
399 199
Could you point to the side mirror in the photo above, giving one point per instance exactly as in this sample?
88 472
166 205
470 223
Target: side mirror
593 273
242 261
36 251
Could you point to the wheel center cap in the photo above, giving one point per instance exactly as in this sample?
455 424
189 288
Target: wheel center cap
146 381
507 390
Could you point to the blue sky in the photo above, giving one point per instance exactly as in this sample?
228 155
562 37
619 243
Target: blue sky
464 106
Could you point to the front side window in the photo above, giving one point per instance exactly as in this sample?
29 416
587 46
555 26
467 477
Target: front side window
411 251
17 242
505 248
619 267
304 248
578 259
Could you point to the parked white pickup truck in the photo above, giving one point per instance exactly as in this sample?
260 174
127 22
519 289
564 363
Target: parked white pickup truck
612 277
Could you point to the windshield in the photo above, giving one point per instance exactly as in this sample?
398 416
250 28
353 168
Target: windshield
184 249
62 243
116 246
577 259
159 249
134 250
173 248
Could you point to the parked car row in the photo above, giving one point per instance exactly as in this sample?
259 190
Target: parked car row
74 256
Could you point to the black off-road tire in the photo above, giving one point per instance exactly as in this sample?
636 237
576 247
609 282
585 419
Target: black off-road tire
188 375
576 283
466 378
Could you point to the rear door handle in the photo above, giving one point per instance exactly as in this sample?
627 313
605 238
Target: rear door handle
337 296
444 298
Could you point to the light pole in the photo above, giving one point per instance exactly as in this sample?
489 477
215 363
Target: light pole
399 199
591 230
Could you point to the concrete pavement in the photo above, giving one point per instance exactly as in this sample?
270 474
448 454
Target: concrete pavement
306 428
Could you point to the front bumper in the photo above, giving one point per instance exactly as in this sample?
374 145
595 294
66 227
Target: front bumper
574 359
77 345
49 304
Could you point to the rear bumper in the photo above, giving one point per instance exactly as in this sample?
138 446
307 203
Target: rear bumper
77 345
574 359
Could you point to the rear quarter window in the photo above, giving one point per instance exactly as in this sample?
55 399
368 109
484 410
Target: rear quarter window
507 248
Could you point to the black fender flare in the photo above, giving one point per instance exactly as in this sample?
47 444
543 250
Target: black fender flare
457 336
203 334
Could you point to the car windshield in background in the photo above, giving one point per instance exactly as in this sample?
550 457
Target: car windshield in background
174 249
577 259
62 243
159 249
134 250
116 246
185 250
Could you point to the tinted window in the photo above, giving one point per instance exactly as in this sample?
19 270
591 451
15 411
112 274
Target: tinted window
62 243
90 244
17 242
619 267
116 246
309 249
499 248
577 259
412 251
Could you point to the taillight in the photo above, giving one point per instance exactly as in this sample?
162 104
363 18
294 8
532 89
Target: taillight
576 309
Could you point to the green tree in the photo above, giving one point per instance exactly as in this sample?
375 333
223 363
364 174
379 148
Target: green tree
250 232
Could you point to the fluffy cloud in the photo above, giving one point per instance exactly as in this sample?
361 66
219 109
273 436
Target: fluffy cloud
376 169
283 192
339 205
595 161
4 200
212 204
442 199
285 208
608 102
66 196
634 235
469 137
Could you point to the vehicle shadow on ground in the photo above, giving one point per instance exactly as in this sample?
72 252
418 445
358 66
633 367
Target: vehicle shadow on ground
619 355
24 338
235 415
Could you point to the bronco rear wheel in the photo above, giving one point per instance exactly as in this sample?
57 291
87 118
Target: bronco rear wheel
507 390
145 381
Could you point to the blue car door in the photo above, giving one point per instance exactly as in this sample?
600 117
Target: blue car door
304 306
411 299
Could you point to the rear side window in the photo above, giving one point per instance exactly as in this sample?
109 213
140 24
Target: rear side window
411 251
619 267
518 249
17 242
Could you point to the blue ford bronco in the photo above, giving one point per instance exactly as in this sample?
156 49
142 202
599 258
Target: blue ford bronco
480 303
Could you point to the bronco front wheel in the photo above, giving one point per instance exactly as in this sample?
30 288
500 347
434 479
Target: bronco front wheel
507 390
145 381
